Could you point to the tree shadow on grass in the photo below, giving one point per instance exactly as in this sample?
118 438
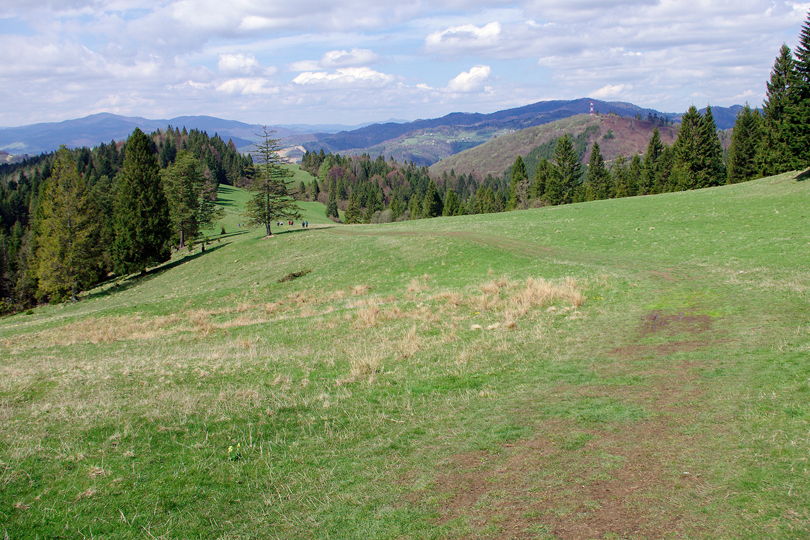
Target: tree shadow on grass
802 176
219 237
224 190
119 284
299 230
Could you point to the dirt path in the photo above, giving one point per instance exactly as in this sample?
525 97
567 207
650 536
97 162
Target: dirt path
614 480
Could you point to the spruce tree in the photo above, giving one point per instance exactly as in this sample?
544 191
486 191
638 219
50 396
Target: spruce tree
621 177
598 177
567 172
452 204
744 142
67 254
332 207
687 149
432 203
415 206
775 153
798 111
189 196
141 213
518 185
542 174
353 210
651 164
271 198
713 172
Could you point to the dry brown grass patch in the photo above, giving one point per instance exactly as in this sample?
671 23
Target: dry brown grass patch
410 344
452 299
364 364
105 330
495 286
367 317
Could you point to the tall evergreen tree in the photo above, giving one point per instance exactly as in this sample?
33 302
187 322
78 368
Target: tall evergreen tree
67 255
190 197
597 177
775 153
452 204
353 214
744 142
542 174
620 171
651 164
331 206
713 171
141 213
518 185
567 172
798 111
271 198
687 150
432 203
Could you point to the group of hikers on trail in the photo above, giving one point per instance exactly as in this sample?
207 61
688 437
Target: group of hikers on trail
304 224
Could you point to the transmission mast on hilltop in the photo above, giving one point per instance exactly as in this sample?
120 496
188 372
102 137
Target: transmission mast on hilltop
592 112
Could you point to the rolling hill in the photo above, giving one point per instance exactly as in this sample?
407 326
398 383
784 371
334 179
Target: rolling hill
427 141
617 136
630 368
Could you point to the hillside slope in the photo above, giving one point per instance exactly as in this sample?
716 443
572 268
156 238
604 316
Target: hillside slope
617 136
623 368
426 141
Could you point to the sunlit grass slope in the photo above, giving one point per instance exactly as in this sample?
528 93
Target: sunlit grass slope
626 368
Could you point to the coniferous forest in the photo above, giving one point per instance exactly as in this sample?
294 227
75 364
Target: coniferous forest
70 219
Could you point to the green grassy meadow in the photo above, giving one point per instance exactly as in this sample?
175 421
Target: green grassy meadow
628 368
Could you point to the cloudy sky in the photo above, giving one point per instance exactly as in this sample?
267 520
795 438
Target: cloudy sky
355 61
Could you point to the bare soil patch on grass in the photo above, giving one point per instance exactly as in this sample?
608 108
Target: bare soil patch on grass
658 321
583 480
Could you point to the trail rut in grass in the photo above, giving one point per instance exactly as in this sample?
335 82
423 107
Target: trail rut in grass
585 480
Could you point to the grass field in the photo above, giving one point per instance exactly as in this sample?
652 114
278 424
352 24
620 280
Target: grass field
630 368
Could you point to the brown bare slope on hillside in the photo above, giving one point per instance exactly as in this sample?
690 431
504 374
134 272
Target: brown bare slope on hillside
617 136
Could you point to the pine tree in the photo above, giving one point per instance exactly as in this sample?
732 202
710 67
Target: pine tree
743 150
798 111
141 213
567 172
598 177
775 155
67 255
432 203
518 185
271 198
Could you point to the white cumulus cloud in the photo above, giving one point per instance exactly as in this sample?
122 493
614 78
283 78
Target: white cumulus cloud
470 81
466 36
337 59
611 91
247 86
354 76
238 63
